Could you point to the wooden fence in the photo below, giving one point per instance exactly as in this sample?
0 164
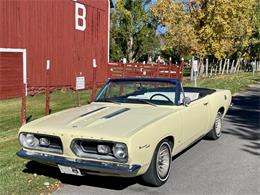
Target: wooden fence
120 70
224 66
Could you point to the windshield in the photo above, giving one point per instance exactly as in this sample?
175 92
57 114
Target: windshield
139 91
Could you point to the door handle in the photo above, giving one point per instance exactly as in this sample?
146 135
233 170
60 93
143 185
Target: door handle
205 104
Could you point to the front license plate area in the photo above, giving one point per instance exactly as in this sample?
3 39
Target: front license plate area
69 170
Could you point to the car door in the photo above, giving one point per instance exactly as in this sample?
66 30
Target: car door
195 117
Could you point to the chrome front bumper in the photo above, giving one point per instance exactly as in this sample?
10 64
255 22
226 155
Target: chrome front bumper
88 166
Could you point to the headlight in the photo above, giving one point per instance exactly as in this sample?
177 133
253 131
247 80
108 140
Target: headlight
120 151
41 142
103 149
44 141
29 140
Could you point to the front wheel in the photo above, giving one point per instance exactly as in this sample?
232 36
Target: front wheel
160 166
215 133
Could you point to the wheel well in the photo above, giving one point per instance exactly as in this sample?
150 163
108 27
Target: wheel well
171 139
221 110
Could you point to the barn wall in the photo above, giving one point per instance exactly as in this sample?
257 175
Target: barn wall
46 29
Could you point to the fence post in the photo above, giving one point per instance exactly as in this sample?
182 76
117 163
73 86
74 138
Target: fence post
169 71
192 71
23 110
224 67
123 70
220 67
211 70
207 67
157 70
77 91
78 98
181 71
177 70
94 86
47 90
195 78
228 64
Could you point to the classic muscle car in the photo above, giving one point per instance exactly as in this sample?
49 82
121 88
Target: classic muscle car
133 128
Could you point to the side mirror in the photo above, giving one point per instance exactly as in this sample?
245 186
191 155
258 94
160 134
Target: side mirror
186 101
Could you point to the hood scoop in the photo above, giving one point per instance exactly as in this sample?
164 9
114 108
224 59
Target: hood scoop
92 111
78 119
116 113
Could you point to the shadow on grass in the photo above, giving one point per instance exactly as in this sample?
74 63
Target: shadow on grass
256 80
245 117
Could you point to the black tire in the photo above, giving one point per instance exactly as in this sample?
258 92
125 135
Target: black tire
157 176
215 132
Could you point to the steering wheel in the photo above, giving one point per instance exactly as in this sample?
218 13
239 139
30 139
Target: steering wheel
158 94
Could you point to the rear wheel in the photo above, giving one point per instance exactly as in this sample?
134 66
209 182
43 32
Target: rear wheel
215 133
160 166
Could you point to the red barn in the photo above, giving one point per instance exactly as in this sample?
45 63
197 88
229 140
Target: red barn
66 34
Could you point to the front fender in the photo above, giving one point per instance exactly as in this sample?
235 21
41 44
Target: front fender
143 144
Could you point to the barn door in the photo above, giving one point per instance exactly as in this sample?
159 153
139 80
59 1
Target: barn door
11 74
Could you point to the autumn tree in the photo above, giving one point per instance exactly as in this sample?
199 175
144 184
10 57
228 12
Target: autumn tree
180 33
202 27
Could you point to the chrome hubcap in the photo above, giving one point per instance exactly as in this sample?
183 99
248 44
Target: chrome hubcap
218 125
163 161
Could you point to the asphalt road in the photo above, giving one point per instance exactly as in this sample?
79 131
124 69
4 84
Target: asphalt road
230 165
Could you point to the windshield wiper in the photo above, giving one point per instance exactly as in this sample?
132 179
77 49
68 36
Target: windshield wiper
145 101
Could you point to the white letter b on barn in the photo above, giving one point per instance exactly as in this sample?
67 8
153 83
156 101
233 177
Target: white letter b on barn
80 16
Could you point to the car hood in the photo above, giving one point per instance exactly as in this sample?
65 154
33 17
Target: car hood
100 120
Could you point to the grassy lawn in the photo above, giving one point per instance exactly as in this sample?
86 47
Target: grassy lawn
233 82
14 176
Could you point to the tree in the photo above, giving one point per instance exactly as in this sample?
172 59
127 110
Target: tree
202 27
180 33
254 44
133 31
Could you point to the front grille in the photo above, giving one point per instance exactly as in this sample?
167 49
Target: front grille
88 149
91 146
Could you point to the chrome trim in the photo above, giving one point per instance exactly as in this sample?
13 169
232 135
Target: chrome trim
91 166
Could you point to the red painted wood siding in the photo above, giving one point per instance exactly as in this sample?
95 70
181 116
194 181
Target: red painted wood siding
46 29
11 71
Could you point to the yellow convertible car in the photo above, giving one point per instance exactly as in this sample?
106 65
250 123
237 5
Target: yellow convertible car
133 128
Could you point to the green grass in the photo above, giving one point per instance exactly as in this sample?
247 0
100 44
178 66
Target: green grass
233 82
14 179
